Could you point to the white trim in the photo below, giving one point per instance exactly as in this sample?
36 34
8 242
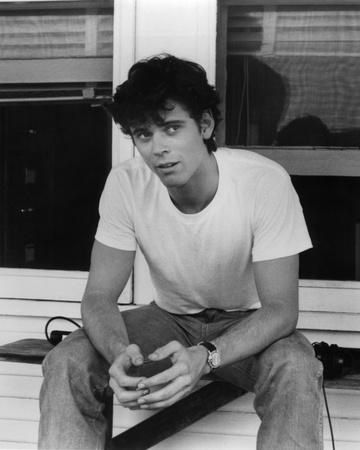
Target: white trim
333 284
55 70
123 59
314 161
52 285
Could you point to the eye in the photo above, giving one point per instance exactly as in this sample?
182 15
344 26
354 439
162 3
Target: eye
143 135
172 129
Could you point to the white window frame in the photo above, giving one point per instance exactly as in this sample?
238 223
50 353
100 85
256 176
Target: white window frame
68 285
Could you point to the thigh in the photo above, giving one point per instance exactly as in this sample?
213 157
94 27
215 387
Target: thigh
293 351
76 357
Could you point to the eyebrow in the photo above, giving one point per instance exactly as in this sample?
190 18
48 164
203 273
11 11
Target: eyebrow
165 123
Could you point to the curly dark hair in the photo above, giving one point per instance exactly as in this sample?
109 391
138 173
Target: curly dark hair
153 82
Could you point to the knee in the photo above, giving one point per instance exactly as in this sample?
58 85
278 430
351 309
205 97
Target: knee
292 359
73 358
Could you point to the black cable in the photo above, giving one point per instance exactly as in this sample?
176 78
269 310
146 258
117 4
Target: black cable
328 415
56 339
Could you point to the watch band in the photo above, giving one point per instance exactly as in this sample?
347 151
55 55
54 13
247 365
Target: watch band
208 345
213 359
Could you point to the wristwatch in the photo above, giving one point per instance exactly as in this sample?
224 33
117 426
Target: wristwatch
213 359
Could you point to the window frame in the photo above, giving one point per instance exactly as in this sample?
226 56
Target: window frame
320 161
68 285
331 161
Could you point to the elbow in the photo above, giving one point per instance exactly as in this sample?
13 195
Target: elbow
289 322
85 311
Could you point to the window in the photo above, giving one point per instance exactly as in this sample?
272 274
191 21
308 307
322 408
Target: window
55 139
288 76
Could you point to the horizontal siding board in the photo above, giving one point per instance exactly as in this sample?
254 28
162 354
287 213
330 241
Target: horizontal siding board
340 338
39 308
20 369
17 445
19 386
19 409
329 321
8 336
329 300
11 430
48 285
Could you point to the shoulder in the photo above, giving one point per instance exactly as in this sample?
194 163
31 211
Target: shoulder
250 168
132 173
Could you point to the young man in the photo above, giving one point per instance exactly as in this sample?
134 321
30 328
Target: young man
221 232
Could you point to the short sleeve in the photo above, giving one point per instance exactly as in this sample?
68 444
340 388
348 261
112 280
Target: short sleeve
279 227
116 228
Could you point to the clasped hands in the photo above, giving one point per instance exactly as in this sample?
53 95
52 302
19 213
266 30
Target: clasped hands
189 364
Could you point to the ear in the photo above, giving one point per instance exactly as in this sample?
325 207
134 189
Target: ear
207 124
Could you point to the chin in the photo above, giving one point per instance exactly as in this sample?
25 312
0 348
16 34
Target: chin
172 183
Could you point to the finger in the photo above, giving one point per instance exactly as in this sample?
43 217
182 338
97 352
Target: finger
135 355
177 370
168 391
117 372
167 350
164 403
126 395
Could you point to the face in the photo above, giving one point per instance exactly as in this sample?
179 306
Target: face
175 149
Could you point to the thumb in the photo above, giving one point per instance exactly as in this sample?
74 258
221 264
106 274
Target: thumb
167 350
135 355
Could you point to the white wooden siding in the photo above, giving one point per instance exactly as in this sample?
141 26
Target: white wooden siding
232 425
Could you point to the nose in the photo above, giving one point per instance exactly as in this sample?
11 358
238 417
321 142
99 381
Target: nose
159 144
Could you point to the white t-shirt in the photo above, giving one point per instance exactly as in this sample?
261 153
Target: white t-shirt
205 260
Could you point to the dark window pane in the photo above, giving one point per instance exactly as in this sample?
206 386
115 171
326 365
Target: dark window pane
332 211
55 158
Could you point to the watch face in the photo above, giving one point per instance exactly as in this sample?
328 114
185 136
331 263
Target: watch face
214 360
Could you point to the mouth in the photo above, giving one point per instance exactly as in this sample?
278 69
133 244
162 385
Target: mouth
166 166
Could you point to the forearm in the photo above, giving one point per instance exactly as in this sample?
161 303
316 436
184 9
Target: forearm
104 326
255 333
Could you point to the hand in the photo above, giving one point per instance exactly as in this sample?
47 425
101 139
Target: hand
124 386
189 365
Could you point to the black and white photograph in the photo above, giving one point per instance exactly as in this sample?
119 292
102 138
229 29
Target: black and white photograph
179 224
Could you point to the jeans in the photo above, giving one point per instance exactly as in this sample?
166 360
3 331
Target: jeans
286 379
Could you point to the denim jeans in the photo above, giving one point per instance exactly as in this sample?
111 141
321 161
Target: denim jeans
286 379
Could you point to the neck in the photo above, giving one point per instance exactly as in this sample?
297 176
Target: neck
198 193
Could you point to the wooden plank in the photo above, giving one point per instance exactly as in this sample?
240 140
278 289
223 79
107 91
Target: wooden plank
340 338
23 430
8 336
329 321
17 445
19 409
20 387
39 308
56 285
329 299
322 162
31 351
176 417
20 369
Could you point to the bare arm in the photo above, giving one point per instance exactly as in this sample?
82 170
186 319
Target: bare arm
109 271
277 285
